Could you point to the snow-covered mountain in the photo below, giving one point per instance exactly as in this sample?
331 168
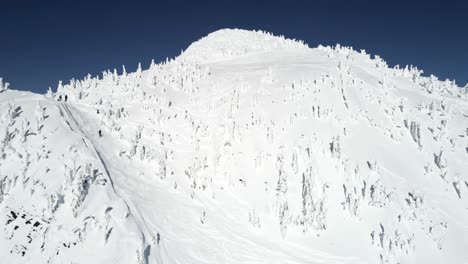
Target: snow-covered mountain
247 148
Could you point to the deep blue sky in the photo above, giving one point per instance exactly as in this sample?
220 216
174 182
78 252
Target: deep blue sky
42 42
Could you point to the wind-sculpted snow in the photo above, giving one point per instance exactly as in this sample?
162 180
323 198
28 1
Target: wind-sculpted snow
248 148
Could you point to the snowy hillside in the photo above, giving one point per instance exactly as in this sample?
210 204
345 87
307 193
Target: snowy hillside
247 148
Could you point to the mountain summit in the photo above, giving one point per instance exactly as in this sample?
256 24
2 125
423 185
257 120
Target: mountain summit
228 43
247 148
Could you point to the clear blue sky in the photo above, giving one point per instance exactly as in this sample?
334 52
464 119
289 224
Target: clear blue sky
42 42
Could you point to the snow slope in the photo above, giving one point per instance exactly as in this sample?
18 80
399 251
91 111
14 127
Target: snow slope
247 148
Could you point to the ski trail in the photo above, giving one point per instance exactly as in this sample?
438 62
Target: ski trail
146 247
85 139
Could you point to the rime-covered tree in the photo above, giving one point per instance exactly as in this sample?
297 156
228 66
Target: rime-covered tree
281 195
139 68
49 93
124 71
307 200
3 86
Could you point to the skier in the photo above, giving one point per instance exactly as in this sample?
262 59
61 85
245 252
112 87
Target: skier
97 111
60 98
158 238
100 133
66 98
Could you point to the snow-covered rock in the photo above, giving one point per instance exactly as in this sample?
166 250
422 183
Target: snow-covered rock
246 148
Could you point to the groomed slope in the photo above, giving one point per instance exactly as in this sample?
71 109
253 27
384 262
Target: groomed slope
251 148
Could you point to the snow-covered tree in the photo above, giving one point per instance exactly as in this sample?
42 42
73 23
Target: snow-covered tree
3 86
49 93
60 87
124 71
281 195
139 68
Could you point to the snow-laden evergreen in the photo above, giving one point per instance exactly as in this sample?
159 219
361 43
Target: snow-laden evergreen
3 86
247 148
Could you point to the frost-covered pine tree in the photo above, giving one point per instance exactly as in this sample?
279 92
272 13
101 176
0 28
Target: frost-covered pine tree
49 93
281 196
415 131
3 86
124 71
307 200
60 87
139 68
